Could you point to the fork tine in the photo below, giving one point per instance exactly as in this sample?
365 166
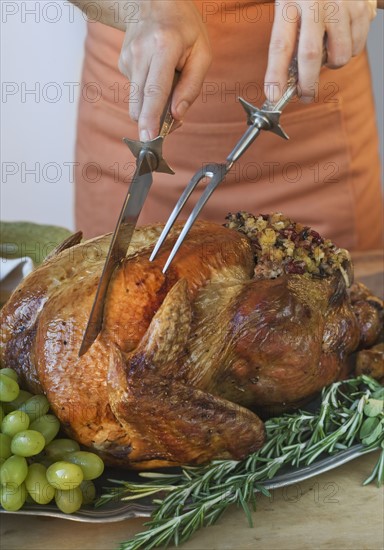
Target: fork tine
217 173
178 208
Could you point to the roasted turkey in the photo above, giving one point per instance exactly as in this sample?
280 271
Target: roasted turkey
186 361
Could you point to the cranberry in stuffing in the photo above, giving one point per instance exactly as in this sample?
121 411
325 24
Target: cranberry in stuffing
294 267
316 237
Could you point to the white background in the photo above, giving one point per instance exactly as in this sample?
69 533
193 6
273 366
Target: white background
41 59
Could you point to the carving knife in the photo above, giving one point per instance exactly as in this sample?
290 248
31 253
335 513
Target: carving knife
149 159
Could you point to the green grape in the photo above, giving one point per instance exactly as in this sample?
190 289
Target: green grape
60 447
12 497
64 475
14 423
14 470
35 407
16 403
10 373
90 463
9 389
69 501
1 413
5 446
48 425
37 484
27 443
89 491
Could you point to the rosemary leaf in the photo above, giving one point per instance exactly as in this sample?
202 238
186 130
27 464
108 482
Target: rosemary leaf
352 412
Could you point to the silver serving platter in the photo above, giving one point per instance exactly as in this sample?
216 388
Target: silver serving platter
120 510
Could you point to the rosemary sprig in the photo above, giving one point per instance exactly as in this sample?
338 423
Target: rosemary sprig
352 411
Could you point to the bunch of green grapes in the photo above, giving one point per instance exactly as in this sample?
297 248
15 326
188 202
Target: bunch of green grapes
34 465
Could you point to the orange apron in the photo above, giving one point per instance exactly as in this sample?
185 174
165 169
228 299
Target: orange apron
326 176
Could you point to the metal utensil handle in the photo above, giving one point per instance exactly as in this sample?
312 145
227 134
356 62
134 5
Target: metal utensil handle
269 112
166 119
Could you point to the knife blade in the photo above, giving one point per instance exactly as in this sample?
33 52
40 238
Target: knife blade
149 159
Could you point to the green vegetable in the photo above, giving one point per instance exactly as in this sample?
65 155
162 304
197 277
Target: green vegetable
374 407
198 496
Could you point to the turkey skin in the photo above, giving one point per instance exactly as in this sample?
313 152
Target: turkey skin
187 361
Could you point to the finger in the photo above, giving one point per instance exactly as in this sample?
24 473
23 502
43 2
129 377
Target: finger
176 125
309 57
156 92
359 31
372 7
135 67
136 91
191 82
281 48
339 40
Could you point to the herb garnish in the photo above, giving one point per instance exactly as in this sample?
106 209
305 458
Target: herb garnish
351 412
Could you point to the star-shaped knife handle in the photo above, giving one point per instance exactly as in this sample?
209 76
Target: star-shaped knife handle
155 146
263 119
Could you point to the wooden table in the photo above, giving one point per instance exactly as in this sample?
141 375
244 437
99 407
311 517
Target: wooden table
331 511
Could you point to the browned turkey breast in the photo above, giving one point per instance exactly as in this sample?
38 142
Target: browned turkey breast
186 359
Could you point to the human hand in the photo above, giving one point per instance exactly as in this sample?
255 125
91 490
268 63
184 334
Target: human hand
346 25
167 35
